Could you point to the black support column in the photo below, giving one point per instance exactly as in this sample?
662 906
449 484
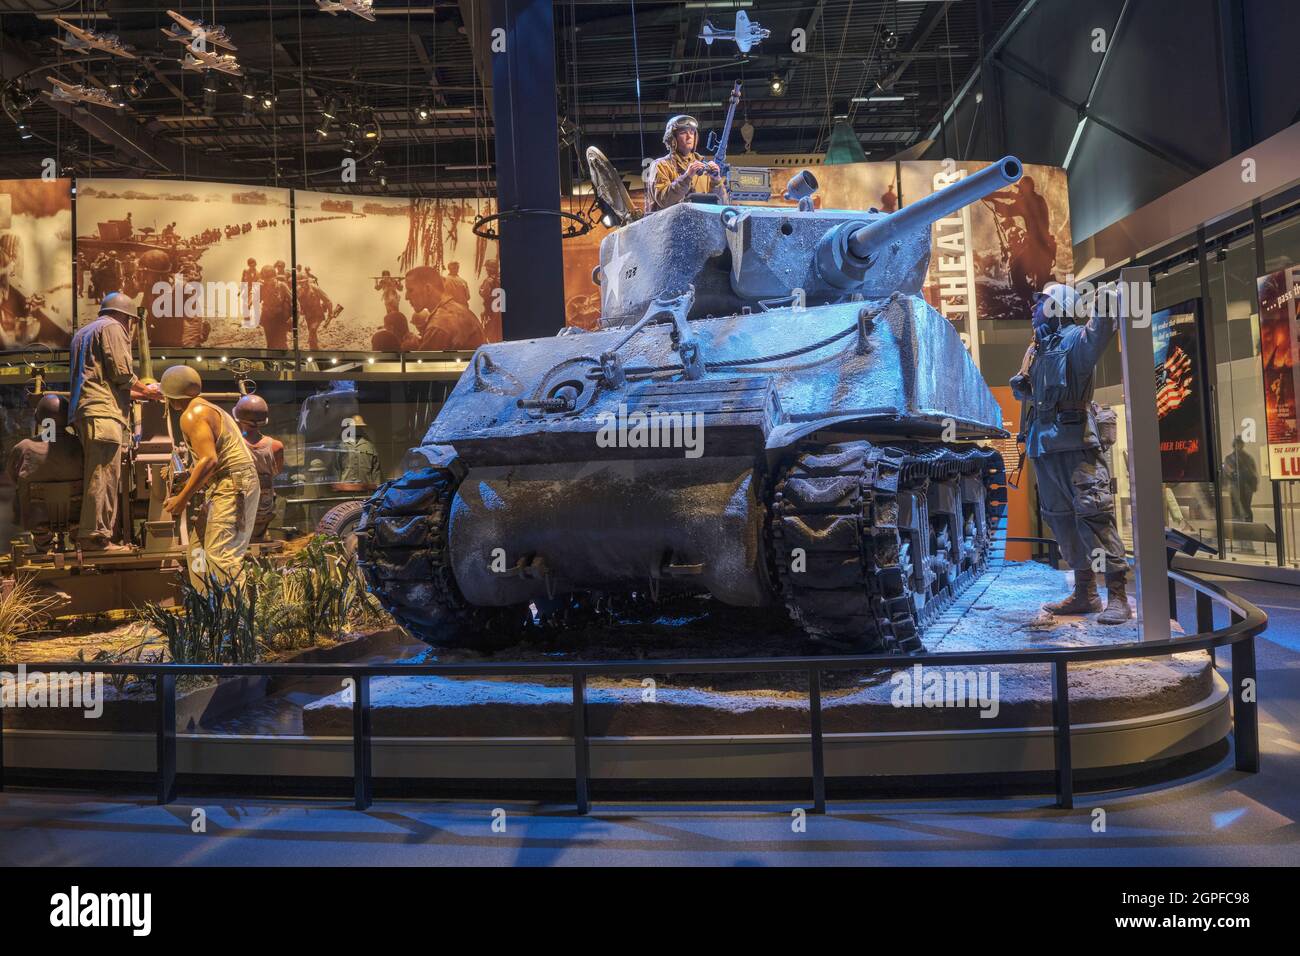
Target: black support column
527 166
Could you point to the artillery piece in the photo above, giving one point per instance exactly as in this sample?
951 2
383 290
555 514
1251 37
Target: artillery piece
769 413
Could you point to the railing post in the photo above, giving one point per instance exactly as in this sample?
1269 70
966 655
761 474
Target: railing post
362 785
1204 614
815 727
1061 727
164 691
1245 716
1173 599
581 756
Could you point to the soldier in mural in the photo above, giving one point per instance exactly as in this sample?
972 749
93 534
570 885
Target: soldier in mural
314 306
1023 218
23 319
487 292
277 309
390 287
442 320
457 286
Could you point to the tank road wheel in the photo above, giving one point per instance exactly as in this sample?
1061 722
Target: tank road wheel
836 544
402 550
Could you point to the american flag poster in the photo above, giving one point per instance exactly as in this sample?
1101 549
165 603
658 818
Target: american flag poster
1180 393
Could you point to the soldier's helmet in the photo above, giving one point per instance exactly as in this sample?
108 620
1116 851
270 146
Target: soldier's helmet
679 122
1060 301
252 410
118 303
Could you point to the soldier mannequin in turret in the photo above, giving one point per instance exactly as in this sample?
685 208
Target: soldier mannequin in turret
1059 428
682 171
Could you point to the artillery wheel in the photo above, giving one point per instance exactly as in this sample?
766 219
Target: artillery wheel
402 551
341 522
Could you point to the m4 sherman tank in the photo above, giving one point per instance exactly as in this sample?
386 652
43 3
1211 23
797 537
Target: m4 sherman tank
769 413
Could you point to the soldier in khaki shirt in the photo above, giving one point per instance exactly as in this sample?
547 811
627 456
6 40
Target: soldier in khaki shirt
103 387
683 171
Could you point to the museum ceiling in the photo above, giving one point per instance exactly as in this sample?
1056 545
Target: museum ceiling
410 97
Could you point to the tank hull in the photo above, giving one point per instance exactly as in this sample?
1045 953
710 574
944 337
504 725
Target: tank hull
908 375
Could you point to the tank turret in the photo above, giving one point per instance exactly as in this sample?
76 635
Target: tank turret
757 257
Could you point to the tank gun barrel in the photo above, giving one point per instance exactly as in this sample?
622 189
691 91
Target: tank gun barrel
944 202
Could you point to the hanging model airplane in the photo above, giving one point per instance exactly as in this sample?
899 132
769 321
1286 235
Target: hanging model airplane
202 61
77 93
83 41
745 35
362 8
197 33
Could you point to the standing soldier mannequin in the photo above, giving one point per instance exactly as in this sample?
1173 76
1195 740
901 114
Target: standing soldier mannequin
671 178
222 467
360 459
252 414
1061 436
103 386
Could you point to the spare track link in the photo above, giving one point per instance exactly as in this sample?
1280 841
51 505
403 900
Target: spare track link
402 551
835 538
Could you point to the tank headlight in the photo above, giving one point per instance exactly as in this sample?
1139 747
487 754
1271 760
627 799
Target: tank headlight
801 186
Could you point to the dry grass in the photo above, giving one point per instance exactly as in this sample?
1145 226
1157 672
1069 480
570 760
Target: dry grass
23 607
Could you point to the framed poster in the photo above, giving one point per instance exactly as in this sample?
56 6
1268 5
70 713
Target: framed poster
1278 293
1182 393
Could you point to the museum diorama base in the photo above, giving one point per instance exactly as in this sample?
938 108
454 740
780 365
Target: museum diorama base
1125 714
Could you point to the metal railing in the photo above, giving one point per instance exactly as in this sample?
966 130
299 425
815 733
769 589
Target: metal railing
1245 622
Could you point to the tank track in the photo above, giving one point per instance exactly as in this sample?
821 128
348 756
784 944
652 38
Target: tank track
845 571
402 550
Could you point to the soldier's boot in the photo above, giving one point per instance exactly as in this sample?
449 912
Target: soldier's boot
1117 609
1084 600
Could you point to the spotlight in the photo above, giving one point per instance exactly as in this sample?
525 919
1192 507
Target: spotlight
349 145
139 85
24 131
777 84
371 130
210 82
247 91
114 79
423 112
267 102
328 110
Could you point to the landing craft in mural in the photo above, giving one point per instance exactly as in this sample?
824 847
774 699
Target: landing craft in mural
372 285
218 250
35 263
